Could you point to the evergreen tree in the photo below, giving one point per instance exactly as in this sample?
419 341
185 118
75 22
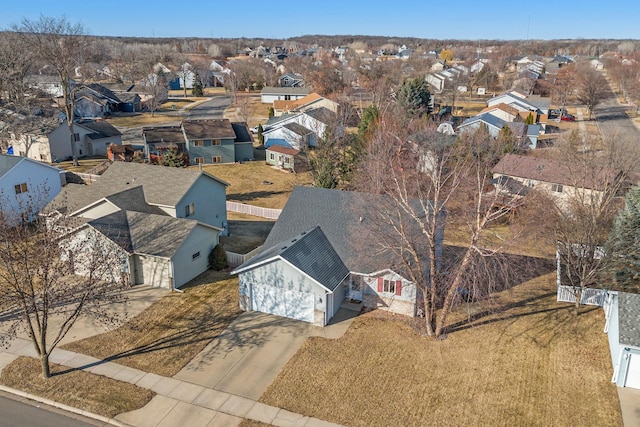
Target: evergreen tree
271 112
173 158
197 89
414 97
368 121
623 246
260 135
218 258
529 120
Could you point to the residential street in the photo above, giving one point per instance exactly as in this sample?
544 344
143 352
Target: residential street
211 109
17 413
613 122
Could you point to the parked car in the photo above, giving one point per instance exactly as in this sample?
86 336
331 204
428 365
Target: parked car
568 118
557 112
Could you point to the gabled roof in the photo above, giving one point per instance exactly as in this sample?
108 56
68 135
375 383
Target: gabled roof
488 119
547 170
8 162
103 91
629 318
344 217
310 252
241 130
502 106
100 129
285 91
144 233
321 114
163 186
163 134
283 150
297 129
208 129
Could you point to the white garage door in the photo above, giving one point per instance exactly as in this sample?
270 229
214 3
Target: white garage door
292 304
633 372
155 272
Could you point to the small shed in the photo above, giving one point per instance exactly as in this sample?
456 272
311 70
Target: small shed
622 313
282 157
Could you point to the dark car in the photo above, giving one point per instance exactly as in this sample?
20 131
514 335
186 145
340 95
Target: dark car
568 118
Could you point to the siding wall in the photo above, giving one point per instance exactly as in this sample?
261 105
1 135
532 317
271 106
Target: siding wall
405 303
202 239
226 150
209 197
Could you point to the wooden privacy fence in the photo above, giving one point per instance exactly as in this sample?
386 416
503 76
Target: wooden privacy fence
589 296
235 259
253 210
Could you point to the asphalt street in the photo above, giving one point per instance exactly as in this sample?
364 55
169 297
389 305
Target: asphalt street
212 109
19 414
613 122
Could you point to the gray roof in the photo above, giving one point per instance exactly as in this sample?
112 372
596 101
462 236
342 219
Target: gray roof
297 129
487 118
162 134
162 185
7 163
272 121
310 252
346 220
285 91
322 114
144 233
208 129
101 129
241 129
629 318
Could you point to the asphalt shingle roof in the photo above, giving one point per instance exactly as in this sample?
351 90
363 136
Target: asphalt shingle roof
208 129
101 129
629 318
310 252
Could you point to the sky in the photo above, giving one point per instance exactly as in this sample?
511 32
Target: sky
458 19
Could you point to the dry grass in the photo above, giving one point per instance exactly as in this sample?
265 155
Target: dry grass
531 363
168 334
257 111
253 423
142 119
93 393
469 108
84 164
248 183
246 232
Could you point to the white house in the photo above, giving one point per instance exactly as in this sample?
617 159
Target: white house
27 186
622 313
270 94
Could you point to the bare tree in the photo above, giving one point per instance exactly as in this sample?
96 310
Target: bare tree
15 61
64 46
434 180
155 86
49 279
591 88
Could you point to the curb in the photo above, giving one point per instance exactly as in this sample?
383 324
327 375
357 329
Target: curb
67 408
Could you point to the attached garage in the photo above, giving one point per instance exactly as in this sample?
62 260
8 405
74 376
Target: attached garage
286 303
622 311
300 279
154 271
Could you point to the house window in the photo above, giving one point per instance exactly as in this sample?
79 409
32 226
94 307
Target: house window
76 137
286 160
389 286
556 188
530 183
189 210
272 156
195 256
198 143
216 142
216 159
21 188
198 160
287 97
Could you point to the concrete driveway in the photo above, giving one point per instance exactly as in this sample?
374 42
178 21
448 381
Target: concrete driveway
253 349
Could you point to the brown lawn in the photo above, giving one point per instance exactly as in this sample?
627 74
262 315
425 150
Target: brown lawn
94 393
168 334
257 184
143 119
246 232
531 361
85 164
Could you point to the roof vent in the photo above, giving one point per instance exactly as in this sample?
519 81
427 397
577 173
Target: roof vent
294 240
284 247
303 233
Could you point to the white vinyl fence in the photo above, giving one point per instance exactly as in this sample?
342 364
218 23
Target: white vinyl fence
253 210
589 296
235 259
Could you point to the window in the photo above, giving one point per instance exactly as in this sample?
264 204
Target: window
21 188
272 156
216 159
556 188
198 143
216 142
530 183
286 160
75 137
389 286
195 256
287 97
190 210
198 160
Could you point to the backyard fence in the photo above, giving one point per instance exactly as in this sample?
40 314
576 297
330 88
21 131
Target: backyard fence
589 296
253 210
235 259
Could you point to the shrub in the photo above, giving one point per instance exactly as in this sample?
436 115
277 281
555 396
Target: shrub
218 258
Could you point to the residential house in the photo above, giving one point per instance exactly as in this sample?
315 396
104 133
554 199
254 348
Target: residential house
49 84
92 138
163 221
202 141
555 179
622 314
270 94
95 101
26 186
298 130
503 112
316 256
525 135
291 80
309 102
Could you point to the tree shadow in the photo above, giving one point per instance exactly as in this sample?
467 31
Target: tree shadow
243 197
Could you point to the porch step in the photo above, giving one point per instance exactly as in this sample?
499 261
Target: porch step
352 305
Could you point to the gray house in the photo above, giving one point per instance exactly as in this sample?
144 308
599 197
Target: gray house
622 313
333 227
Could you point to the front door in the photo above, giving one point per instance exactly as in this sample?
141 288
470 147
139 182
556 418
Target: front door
355 288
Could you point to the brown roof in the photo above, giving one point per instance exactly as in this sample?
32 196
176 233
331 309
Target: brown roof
171 134
284 150
208 129
504 107
547 170
284 105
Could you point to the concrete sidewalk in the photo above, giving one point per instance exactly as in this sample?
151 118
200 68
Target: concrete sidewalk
177 403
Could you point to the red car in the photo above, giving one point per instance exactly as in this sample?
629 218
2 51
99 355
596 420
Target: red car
568 118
